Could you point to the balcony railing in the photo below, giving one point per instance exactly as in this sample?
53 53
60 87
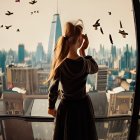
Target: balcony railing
31 120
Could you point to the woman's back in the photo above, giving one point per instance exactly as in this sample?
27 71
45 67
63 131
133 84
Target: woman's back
75 108
73 76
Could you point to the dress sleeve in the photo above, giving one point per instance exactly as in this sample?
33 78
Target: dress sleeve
53 91
91 65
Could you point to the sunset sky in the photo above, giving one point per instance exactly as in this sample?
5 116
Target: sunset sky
36 27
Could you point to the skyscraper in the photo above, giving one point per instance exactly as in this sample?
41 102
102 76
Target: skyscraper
113 55
40 54
113 52
126 59
2 60
101 78
21 53
55 33
11 57
22 77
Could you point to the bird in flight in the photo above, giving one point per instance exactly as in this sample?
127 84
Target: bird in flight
101 30
109 13
123 33
18 30
121 24
17 0
110 37
96 24
7 27
9 13
1 26
35 12
33 2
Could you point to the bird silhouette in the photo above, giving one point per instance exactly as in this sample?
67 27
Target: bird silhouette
18 30
121 24
123 33
1 26
33 2
7 27
17 0
35 12
101 30
96 24
109 13
110 37
9 13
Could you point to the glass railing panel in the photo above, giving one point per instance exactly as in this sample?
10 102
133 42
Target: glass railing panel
16 104
19 129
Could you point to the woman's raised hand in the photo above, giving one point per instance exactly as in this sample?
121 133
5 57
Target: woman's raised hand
85 43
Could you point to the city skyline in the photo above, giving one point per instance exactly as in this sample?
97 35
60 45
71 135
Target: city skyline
24 68
36 28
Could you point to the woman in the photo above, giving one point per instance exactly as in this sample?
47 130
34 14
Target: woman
75 114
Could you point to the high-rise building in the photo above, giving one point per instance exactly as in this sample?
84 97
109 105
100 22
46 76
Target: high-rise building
21 53
22 77
120 103
113 55
30 79
40 54
101 78
2 60
55 33
11 57
101 55
13 102
126 59
41 78
113 52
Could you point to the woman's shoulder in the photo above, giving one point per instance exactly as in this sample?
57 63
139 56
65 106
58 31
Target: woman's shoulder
74 65
87 57
74 59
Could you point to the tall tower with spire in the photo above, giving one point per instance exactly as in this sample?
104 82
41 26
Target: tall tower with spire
55 33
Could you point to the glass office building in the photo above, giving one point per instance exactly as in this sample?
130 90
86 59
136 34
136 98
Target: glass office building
55 33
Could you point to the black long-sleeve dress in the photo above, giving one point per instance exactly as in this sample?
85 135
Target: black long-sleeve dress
75 114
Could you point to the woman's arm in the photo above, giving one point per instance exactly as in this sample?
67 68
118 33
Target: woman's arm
84 46
91 64
53 95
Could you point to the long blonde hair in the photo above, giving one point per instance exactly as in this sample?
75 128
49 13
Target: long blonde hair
71 34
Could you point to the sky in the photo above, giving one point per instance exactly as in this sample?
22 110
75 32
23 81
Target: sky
35 28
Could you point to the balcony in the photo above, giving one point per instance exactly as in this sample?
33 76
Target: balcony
27 114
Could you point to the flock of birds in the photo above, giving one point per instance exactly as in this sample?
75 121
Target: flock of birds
31 2
122 32
96 25
34 12
9 13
